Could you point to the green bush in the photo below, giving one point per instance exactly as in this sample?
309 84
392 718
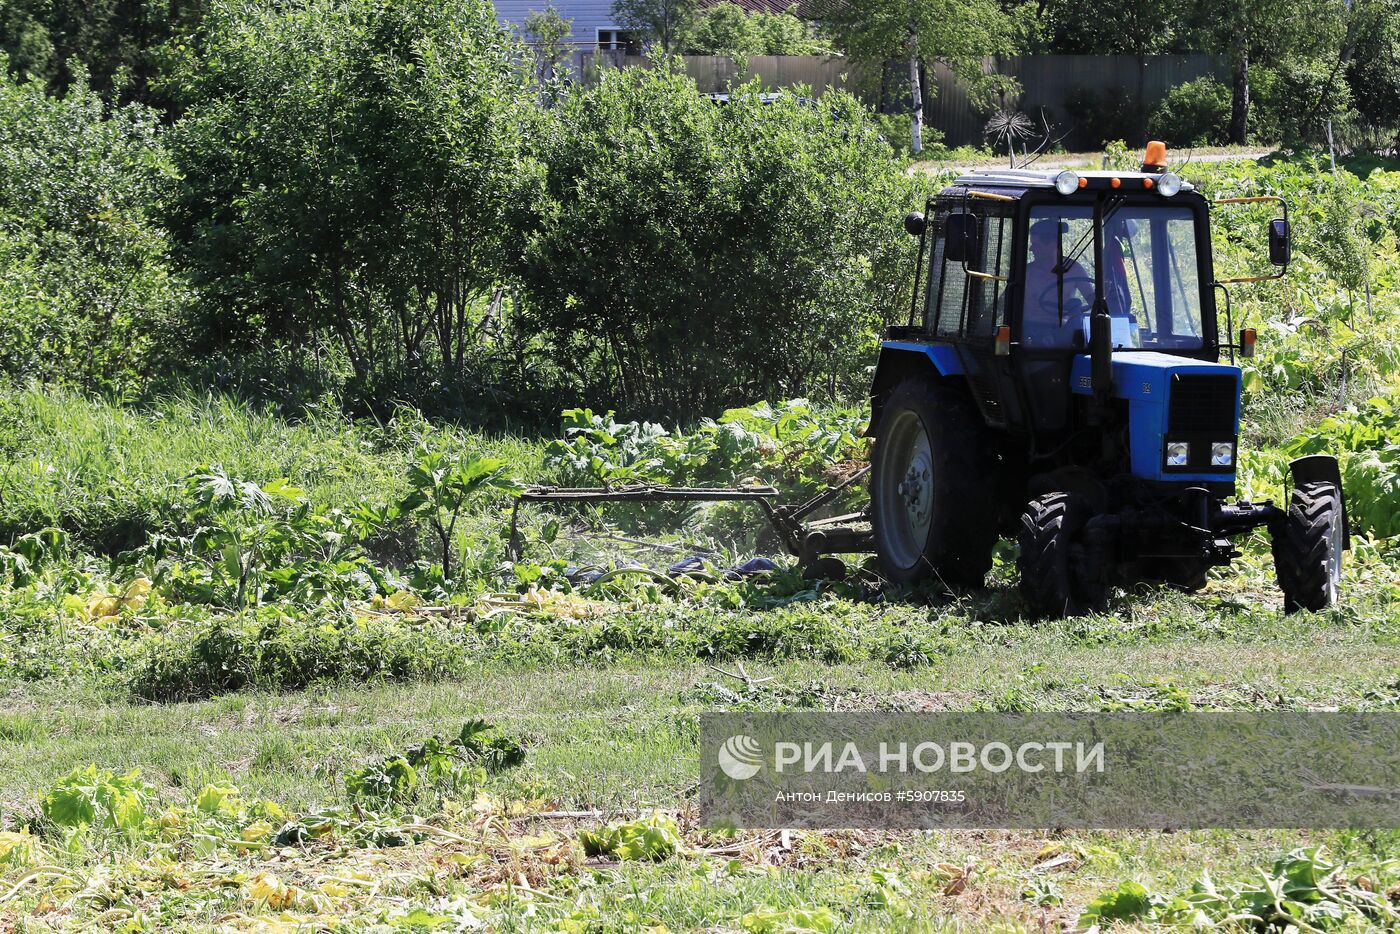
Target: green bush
693 256
85 291
1293 102
728 29
1196 113
350 175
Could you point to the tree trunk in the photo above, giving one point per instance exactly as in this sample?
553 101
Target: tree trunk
1239 104
916 97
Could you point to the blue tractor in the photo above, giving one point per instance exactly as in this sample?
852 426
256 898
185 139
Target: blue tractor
1060 379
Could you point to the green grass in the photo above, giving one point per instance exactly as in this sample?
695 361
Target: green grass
110 474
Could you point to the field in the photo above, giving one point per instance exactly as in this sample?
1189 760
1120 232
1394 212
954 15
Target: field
263 672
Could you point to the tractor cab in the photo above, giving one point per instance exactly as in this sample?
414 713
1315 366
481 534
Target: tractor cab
1059 376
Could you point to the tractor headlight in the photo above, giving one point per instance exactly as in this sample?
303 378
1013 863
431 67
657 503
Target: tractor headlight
1177 453
1222 454
1067 182
1168 184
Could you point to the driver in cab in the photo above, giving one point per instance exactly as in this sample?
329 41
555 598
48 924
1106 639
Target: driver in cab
1051 320
1046 281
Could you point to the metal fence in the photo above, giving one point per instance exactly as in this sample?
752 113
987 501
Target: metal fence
1080 95
1074 92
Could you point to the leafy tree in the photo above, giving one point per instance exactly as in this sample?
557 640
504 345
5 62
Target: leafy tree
118 47
548 35
724 29
84 286
350 172
728 29
786 34
689 257
656 21
956 33
1266 32
1118 27
1373 72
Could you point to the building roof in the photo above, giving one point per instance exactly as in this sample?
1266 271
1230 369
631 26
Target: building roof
754 6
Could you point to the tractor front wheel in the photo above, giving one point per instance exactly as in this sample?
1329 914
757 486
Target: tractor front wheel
932 487
1308 551
1053 582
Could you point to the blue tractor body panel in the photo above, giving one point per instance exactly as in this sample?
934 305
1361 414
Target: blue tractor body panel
1145 380
944 357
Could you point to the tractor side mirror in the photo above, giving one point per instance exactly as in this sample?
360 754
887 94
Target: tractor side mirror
1280 242
914 223
960 237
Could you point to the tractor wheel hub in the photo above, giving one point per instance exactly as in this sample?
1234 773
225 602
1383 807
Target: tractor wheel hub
916 489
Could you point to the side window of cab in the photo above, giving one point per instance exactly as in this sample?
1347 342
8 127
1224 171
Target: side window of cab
968 276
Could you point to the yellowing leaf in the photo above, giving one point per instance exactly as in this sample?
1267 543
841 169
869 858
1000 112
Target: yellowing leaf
16 847
256 833
218 799
403 600
268 888
333 888
136 592
102 605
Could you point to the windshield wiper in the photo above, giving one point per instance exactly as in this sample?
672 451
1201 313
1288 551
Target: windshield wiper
1087 239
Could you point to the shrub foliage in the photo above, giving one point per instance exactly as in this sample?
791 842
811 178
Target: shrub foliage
350 169
84 285
691 256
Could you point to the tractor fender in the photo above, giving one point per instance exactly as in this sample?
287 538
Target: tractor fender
1323 467
902 359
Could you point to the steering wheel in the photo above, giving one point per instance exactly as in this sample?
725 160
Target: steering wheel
1074 303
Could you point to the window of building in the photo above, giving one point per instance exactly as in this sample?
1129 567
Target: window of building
619 40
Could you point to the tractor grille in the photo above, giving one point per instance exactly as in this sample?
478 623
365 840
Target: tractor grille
1202 404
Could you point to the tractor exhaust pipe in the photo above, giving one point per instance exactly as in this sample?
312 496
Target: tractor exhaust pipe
1101 360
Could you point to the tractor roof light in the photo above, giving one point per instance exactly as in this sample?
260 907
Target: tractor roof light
1067 182
1155 159
1168 184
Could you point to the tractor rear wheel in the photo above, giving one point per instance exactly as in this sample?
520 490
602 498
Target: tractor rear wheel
933 487
1308 552
1052 582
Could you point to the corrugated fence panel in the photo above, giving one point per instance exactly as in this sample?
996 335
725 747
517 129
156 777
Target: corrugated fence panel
1048 83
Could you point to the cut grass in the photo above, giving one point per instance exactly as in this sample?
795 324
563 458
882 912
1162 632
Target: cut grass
623 735
622 738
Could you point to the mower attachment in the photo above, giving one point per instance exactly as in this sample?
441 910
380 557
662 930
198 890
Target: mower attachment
806 541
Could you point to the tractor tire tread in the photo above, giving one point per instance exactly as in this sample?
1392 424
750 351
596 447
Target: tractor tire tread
1046 579
1303 550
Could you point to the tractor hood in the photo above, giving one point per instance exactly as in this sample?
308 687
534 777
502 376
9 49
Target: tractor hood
1145 374
1173 400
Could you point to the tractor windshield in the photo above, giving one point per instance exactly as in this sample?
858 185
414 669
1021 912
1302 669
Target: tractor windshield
1151 277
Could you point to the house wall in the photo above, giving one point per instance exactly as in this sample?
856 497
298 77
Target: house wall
588 16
